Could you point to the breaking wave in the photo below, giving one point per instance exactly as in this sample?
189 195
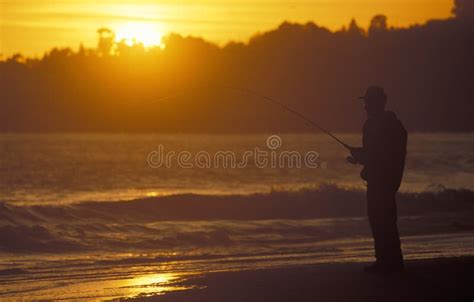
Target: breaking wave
202 221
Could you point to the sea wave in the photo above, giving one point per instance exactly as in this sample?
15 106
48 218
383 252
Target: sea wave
326 201
203 221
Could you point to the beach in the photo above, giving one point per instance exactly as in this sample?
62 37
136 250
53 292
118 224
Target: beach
129 250
439 279
238 278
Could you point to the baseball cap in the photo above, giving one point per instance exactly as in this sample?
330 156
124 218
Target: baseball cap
374 93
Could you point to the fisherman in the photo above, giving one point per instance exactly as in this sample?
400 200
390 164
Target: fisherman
383 155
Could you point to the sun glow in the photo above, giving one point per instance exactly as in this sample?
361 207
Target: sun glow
149 34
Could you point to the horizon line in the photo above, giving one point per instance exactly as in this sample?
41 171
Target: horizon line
221 45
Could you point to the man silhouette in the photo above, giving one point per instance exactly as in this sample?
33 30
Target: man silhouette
383 155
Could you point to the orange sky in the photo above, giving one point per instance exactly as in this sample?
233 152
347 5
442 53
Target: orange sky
33 26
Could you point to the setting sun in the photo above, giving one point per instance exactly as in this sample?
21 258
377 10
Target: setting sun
149 34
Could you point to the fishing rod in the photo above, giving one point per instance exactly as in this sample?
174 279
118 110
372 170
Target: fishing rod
271 100
288 108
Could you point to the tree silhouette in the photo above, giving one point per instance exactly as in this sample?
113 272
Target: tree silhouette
464 9
378 24
426 70
354 29
17 57
106 41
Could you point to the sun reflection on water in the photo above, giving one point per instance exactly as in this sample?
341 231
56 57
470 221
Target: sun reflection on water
153 284
154 279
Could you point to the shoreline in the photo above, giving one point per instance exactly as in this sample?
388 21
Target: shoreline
436 279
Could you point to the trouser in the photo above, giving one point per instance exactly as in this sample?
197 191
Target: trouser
382 213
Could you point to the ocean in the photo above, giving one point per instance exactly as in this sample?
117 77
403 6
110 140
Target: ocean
67 168
93 217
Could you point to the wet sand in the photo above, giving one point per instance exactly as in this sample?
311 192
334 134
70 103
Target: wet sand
442 279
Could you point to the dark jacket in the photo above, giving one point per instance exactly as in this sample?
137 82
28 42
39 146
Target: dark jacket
383 151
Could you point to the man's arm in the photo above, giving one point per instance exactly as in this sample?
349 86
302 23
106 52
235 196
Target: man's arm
359 155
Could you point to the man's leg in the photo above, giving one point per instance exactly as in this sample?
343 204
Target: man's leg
390 238
372 213
382 213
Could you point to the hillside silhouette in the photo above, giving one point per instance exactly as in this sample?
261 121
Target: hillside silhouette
427 71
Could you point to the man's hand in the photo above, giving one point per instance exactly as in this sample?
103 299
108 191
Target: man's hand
351 160
356 155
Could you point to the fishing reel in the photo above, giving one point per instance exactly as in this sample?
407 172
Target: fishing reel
351 160
363 172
